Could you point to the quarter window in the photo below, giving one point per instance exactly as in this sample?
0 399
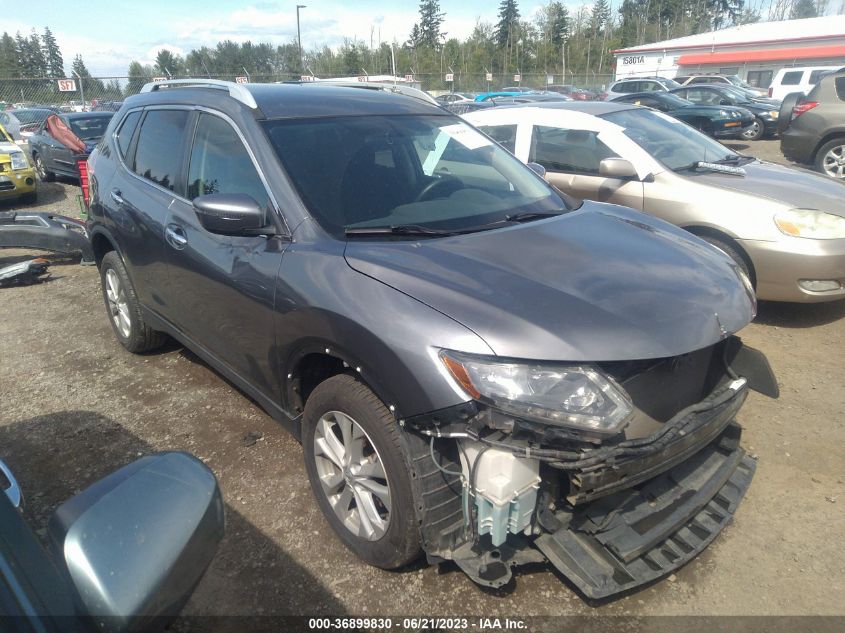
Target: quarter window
571 151
839 82
816 75
160 144
221 164
127 129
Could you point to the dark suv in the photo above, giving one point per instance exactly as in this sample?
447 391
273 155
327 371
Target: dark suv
477 365
814 126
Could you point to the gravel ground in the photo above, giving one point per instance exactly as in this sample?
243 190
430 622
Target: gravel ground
74 406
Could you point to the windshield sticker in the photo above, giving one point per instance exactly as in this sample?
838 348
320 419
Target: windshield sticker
727 169
466 136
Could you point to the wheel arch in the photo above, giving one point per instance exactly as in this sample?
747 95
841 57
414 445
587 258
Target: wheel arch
708 231
827 138
102 243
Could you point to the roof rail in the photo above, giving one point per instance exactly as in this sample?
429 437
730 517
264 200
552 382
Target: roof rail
236 91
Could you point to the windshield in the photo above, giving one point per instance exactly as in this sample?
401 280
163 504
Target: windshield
675 144
673 100
89 128
670 84
738 93
433 171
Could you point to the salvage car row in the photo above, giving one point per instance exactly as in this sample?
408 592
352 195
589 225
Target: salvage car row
481 365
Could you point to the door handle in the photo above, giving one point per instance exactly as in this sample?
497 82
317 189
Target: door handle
175 236
115 195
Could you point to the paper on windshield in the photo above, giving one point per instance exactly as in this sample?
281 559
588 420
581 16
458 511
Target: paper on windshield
466 136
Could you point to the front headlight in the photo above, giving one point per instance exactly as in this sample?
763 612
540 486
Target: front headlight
19 161
724 114
810 223
774 114
574 396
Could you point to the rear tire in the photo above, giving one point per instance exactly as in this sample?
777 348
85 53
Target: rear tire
755 131
359 472
123 308
830 159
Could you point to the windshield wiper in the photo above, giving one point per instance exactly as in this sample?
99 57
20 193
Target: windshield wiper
527 216
399 229
733 159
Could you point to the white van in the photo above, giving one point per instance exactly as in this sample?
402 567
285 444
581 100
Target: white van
789 80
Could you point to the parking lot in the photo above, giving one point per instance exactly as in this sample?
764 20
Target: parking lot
74 406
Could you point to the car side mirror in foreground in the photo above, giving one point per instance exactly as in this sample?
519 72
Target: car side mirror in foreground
136 543
617 168
538 169
229 213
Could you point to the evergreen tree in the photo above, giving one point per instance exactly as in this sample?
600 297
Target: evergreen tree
53 55
416 38
37 60
10 66
558 17
508 21
169 64
138 76
431 19
803 9
598 18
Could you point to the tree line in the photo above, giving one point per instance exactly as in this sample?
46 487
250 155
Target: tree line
556 41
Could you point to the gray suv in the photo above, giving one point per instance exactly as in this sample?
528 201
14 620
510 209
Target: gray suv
814 126
478 366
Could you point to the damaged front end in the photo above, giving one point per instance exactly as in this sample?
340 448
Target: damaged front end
627 484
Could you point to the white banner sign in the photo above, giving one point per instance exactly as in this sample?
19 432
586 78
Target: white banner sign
241 80
66 85
450 77
488 77
517 77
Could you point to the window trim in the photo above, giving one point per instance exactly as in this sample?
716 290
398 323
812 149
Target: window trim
273 202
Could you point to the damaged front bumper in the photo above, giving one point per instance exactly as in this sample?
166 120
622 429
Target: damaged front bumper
45 232
609 517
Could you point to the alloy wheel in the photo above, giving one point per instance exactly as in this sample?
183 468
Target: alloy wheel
40 169
833 162
752 131
352 475
118 306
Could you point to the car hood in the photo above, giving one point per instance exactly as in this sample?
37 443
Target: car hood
9 148
600 283
714 108
793 187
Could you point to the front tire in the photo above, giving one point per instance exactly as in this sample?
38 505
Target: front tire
41 169
359 473
830 159
755 131
733 252
123 307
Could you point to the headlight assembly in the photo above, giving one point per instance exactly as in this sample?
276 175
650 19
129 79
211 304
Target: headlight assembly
810 223
574 396
774 114
19 161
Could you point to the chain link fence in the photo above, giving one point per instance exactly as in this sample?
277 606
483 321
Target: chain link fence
104 93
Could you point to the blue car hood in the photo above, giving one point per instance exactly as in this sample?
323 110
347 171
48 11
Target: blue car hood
600 283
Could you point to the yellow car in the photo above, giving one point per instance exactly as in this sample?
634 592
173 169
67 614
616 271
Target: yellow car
17 177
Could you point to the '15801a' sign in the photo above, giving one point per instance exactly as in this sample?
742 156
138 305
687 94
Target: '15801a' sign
66 85
633 59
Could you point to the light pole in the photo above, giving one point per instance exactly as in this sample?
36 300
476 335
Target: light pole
81 89
299 37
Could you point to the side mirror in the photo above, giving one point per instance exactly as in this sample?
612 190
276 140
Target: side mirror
726 102
229 213
538 169
136 543
618 168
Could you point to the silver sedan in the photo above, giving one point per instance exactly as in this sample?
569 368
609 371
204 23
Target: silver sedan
785 227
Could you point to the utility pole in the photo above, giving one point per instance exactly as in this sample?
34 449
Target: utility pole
299 37
81 89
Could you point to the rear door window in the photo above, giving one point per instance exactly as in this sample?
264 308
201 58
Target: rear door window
570 151
160 146
221 164
504 135
792 78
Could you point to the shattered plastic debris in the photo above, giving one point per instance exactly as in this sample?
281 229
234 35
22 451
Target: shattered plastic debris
25 273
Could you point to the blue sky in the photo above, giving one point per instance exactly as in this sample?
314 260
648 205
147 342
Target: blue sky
109 35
